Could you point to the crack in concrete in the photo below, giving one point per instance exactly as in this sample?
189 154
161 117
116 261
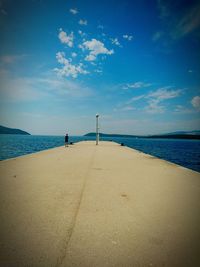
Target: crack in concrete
73 223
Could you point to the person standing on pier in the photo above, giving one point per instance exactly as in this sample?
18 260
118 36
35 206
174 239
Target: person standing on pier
66 140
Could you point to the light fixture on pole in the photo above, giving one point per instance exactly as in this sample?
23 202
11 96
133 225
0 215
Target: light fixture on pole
97 129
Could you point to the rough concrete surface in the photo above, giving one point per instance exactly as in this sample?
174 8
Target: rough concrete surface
106 205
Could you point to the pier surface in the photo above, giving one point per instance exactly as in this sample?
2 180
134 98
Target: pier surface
106 205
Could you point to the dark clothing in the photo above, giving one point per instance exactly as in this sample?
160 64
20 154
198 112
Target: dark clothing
66 138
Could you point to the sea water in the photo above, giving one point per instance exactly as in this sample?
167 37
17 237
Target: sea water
183 152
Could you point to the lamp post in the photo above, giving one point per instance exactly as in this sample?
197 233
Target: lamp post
97 129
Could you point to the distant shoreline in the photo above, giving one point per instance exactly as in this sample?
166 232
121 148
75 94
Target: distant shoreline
164 136
6 130
192 135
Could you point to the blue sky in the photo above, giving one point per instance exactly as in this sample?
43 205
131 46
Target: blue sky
136 63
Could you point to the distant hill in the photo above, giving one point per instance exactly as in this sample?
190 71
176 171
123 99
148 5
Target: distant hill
184 132
6 130
174 135
110 135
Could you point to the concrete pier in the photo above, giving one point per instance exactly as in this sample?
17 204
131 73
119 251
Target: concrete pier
106 205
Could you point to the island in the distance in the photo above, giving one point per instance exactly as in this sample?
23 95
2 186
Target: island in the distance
175 135
6 130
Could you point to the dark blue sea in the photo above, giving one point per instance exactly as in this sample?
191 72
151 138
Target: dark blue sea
182 152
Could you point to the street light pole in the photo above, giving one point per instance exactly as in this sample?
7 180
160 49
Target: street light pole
97 129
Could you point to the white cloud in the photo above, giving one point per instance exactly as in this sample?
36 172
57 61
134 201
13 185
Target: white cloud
81 47
154 107
163 94
183 110
74 11
90 57
196 102
82 22
128 37
136 85
74 54
115 41
96 48
69 69
66 39
159 96
128 108
155 98
82 34
135 98
98 71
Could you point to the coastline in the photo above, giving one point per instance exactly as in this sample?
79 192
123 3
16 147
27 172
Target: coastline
178 151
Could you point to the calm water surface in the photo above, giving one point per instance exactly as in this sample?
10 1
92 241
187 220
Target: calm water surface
182 152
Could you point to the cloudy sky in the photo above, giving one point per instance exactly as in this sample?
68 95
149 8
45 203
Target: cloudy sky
136 63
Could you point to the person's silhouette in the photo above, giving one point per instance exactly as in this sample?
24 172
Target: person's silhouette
66 140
